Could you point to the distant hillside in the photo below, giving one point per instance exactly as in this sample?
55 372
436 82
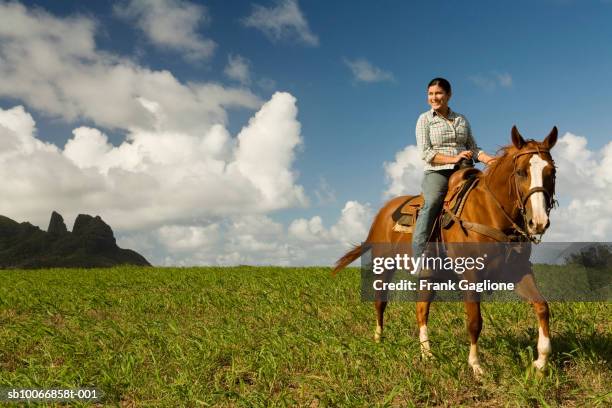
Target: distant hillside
91 244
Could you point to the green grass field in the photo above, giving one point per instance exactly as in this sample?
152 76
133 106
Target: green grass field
270 336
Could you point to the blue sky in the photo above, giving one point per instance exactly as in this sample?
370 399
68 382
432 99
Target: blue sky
535 64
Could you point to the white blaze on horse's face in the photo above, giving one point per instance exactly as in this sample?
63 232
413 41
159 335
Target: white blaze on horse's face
539 220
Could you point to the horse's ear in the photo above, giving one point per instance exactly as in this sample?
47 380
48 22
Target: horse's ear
517 139
551 139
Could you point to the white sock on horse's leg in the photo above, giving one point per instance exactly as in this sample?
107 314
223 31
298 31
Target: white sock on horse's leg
474 360
424 339
544 350
378 333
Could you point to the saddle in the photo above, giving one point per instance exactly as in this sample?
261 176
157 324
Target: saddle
460 184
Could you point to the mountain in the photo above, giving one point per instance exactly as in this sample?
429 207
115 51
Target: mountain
91 244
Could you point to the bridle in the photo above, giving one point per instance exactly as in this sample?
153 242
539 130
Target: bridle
522 201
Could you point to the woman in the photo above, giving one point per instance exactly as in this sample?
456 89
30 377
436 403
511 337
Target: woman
444 138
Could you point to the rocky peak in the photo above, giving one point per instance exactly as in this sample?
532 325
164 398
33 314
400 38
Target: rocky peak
91 244
56 224
94 231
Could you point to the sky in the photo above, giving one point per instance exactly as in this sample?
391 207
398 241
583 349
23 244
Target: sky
270 132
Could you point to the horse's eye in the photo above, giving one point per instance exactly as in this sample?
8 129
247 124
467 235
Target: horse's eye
521 173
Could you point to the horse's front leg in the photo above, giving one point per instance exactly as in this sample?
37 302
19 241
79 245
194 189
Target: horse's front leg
422 314
424 298
527 288
474 326
544 348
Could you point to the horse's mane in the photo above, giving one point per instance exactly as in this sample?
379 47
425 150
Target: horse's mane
502 155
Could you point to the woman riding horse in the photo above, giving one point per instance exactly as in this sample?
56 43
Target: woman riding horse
510 203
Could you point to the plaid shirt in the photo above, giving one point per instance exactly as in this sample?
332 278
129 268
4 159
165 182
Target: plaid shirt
435 135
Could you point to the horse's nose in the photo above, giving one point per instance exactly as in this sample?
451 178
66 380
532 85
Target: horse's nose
536 227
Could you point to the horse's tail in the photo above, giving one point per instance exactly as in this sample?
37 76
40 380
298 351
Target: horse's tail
349 257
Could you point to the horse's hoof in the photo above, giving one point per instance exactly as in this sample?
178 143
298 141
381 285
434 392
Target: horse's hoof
426 355
478 371
539 365
377 338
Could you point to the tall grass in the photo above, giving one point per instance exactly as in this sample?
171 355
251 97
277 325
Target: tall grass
270 336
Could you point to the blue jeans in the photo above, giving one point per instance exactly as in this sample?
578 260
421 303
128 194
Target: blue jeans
435 186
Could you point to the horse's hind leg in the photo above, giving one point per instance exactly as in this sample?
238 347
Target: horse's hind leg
474 326
381 300
380 313
422 312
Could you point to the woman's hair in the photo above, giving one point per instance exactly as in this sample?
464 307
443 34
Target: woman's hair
442 83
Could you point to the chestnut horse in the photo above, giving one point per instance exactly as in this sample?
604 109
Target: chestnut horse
511 202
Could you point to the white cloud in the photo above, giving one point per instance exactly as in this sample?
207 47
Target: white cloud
351 228
284 21
310 231
405 174
492 80
238 68
37 178
178 238
325 193
364 71
584 189
248 240
155 177
266 151
178 159
171 24
254 240
52 64
354 223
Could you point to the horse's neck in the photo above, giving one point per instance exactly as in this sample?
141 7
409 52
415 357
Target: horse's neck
500 185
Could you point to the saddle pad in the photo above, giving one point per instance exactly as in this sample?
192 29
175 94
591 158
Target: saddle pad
412 205
405 215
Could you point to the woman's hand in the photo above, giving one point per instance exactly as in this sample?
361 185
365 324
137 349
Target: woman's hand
466 154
